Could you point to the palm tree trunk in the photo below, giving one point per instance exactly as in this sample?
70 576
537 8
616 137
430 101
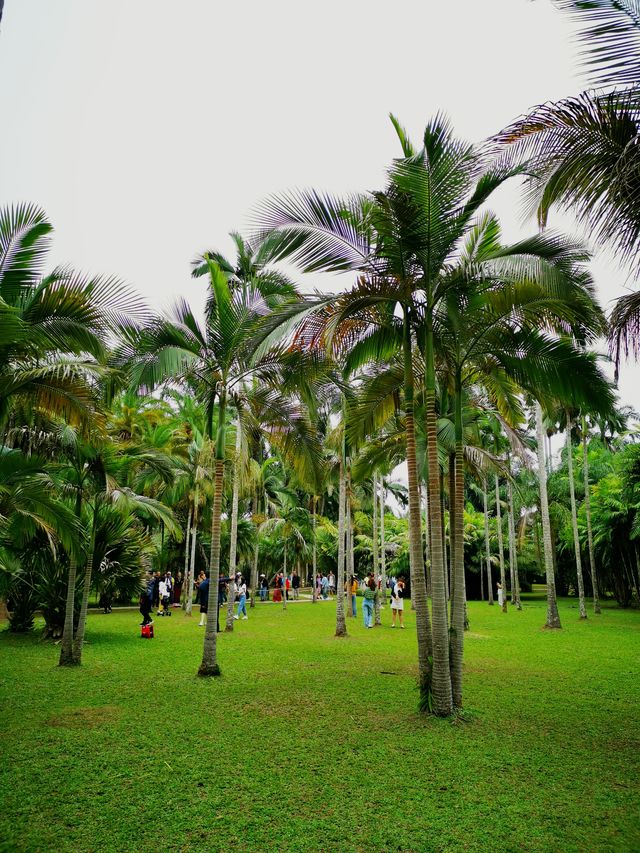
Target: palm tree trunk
284 578
348 537
481 579
314 553
233 543
209 665
487 543
341 625
513 551
587 509
192 566
377 620
187 539
383 545
452 540
456 533
78 640
553 619
574 522
66 645
254 567
427 559
503 579
434 678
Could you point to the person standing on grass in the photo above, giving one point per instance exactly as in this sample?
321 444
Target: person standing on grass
242 598
397 603
332 584
369 601
264 587
156 590
287 586
353 587
201 577
500 594
203 589
318 586
177 590
146 600
295 585
324 583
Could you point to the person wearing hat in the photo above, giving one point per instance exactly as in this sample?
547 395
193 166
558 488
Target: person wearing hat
264 587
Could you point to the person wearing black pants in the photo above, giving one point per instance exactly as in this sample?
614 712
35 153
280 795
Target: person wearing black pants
146 601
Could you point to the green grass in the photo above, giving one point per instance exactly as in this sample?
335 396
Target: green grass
308 742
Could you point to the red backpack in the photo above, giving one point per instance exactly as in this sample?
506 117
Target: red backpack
147 632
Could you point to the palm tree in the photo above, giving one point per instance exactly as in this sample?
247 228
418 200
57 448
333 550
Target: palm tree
587 508
574 516
582 150
553 618
53 328
222 357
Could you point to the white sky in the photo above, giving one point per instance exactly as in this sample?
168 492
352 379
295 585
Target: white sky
148 129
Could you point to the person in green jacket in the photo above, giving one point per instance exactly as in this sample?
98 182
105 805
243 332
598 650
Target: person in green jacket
369 601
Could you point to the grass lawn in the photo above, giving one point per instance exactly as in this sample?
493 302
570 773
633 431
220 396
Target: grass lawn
312 743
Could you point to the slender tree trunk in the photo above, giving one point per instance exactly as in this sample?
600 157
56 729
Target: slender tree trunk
78 640
314 554
187 540
510 538
574 522
254 567
513 551
487 544
341 625
447 578
192 566
503 578
452 543
66 645
347 538
587 509
458 603
383 544
377 620
435 677
284 579
427 558
209 666
233 543
481 579
553 618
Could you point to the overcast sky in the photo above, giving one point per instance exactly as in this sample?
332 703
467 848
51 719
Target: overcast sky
148 129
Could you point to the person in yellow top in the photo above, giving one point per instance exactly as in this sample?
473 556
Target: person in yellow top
353 587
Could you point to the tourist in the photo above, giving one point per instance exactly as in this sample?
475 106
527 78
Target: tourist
196 584
177 589
287 586
242 598
332 584
295 585
169 584
500 594
318 585
324 585
156 589
277 584
354 595
203 592
368 603
146 600
397 603
264 587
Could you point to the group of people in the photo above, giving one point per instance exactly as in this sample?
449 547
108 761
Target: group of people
161 592
371 591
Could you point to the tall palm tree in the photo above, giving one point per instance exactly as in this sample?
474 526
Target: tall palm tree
553 618
574 517
587 508
582 150
222 357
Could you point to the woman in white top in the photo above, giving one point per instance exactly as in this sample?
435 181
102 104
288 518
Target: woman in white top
241 587
397 603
